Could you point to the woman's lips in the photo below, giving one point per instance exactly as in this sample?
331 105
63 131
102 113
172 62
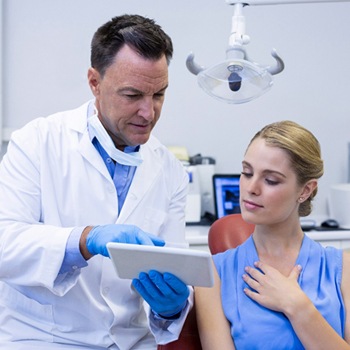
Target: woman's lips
251 205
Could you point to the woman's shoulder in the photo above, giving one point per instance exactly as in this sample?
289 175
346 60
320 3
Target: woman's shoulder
345 285
327 256
231 254
346 266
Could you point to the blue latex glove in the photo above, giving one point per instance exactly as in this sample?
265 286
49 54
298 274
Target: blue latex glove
99 236
165 293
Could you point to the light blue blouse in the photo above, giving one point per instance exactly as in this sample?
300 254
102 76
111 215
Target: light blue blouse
256 327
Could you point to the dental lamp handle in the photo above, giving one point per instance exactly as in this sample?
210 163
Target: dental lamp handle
278 68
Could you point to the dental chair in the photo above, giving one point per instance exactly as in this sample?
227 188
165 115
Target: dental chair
225 233
228 232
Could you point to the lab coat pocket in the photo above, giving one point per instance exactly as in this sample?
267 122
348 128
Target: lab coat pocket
24 318
153 220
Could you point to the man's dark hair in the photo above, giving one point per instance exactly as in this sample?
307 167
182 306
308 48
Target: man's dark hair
140 33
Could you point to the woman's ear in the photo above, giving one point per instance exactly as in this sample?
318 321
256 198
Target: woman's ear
308 188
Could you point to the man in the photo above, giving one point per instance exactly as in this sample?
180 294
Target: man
74 181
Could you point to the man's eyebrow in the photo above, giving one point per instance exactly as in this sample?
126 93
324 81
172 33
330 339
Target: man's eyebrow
164 88
131 89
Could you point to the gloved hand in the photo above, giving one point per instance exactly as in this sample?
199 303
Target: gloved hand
99 236
165 293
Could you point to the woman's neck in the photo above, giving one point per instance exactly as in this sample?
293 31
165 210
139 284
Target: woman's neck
279 245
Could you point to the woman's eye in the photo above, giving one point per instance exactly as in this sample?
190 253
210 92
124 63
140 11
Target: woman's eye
271 182
246 174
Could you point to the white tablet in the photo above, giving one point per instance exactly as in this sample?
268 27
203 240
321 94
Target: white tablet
193 267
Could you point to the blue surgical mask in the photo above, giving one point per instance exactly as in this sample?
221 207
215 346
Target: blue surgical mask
131 159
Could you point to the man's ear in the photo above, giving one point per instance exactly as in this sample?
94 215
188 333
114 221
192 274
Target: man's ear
308 188
94 79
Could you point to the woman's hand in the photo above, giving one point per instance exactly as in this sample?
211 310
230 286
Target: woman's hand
272 289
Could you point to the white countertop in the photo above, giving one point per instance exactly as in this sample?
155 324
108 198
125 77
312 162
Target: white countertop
198 235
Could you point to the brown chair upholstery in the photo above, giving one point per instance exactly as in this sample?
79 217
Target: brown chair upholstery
226 232
189 336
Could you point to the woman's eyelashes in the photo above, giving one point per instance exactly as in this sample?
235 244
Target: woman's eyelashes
246 174
272 182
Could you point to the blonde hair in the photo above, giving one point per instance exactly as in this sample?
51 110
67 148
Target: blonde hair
303 149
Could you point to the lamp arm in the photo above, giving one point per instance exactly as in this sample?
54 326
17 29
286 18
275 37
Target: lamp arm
238 35
278 68
278 2
192 66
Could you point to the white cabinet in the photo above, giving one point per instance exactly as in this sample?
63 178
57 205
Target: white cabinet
197 237
338 239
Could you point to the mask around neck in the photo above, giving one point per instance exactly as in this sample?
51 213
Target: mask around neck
130 159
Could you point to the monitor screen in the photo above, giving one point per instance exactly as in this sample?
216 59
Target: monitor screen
226 194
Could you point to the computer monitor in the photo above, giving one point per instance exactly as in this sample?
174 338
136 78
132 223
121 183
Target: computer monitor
226 194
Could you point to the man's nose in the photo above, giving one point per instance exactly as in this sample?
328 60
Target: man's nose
146 109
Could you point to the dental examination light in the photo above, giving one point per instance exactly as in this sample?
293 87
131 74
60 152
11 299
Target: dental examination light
238 79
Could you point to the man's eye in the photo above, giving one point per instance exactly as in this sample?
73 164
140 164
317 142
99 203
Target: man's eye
132 96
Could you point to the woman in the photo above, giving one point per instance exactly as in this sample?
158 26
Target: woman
279 289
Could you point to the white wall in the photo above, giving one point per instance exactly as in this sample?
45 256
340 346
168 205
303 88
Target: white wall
46 56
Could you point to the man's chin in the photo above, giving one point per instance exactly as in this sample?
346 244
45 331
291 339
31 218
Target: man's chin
142 139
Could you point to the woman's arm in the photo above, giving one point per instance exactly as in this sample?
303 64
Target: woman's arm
214 329
345 288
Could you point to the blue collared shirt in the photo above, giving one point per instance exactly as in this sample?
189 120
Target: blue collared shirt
122 175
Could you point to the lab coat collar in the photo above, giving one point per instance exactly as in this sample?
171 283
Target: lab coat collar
78 122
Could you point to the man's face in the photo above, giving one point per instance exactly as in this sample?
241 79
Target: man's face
130 96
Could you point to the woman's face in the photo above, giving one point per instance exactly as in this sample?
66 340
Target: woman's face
269 191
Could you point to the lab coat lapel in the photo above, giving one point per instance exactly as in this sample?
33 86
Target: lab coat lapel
78 123
144 177
89 152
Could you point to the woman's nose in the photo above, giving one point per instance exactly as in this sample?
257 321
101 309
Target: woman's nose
253 186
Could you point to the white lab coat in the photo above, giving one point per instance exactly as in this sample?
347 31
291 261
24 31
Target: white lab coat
52 179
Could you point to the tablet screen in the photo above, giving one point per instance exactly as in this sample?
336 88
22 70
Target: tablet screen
193 267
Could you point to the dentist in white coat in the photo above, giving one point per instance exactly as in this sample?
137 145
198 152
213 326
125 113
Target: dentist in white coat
76 180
